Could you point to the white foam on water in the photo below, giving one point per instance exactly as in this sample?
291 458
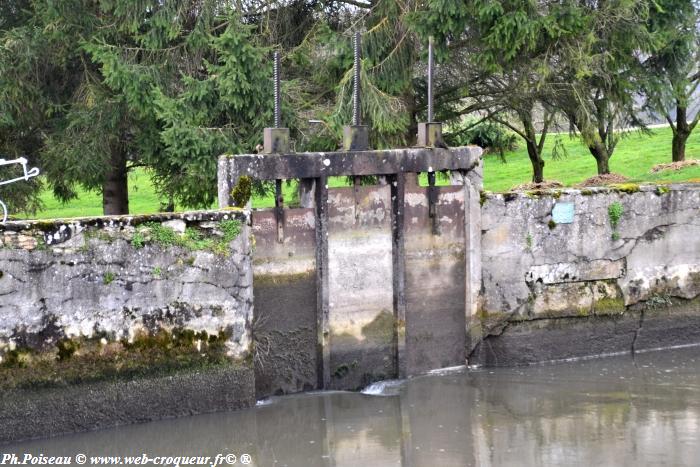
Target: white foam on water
389 387
448 370
673 347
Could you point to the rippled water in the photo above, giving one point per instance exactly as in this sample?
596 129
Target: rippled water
613 411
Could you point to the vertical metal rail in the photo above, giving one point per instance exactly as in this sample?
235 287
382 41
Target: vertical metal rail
279 210
432 203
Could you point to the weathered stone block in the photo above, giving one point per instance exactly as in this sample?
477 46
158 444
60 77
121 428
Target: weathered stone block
582 271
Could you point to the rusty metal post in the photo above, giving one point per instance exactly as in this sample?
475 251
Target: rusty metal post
432 203
279 211
276 139
356 136
430 132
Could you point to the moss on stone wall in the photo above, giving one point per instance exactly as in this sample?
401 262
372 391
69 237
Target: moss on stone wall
483 197
137 230
192 239
283 279
626 187
609 306
81 360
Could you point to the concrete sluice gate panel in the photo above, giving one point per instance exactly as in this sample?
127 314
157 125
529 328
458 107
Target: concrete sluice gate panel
360 276
284 284
435 279
362 283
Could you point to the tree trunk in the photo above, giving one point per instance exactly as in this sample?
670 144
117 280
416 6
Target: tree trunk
167 206
681 134
115 191
536 161
412 130
533 149
602 157
678 145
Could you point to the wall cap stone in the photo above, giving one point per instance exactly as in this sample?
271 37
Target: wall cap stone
627 188
126 220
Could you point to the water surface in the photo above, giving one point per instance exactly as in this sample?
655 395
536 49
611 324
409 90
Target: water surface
614 411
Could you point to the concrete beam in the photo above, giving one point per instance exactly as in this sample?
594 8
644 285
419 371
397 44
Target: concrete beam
317 164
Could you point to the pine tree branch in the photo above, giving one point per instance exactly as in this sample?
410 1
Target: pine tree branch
477 123
512 127
549 117
695 121
668 118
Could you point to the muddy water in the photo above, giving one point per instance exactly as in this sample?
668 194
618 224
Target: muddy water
613 411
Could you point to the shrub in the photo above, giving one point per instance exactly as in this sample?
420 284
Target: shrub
491 136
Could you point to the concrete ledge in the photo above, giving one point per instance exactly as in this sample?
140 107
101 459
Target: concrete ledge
39 413
543 340
550 339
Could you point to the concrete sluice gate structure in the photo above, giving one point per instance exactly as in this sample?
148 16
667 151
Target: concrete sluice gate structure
367 282
115 320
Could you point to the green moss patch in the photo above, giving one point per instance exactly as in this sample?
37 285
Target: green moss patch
81 360
241 193
609 306
193 239
482 198
626 187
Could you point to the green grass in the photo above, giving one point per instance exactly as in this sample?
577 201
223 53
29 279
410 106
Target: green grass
142 200
634 156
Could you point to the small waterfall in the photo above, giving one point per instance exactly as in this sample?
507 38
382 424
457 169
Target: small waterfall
389 387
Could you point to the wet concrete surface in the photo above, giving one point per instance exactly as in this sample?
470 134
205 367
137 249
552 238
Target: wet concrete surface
642 410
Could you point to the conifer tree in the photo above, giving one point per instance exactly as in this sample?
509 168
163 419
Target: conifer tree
95 89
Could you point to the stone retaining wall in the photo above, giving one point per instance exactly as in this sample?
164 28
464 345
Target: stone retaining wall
571 273
101 302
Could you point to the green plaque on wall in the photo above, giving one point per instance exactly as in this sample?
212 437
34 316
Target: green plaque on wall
563 213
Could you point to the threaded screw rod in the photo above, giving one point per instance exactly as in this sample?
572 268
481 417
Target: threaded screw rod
276 78
356 82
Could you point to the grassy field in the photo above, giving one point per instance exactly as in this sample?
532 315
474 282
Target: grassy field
635 155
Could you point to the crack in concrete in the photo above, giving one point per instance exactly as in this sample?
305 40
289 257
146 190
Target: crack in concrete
637 332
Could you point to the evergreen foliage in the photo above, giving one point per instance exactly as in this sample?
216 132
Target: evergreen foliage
90 89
